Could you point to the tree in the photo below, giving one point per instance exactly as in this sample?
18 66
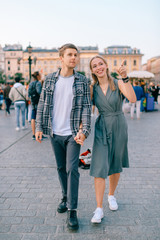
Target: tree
83 73
2 77
114 75
20 75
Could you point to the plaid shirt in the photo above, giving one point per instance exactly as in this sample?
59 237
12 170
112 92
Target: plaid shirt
81 105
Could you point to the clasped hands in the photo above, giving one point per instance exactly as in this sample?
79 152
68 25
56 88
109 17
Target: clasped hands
80 137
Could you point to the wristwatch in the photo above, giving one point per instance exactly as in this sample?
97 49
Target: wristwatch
125 80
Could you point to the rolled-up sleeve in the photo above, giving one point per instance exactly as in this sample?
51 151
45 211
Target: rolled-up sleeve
40 108
86 109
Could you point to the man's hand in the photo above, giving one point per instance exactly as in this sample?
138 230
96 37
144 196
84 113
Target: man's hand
38 136
122 70
79 138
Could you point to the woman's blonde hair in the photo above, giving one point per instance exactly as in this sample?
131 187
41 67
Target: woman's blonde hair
95 79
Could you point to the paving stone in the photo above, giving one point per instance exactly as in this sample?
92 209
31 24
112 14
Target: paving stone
10 236
25 213
7 213
35 236
33 220
23 228
11 220
4 228
44 229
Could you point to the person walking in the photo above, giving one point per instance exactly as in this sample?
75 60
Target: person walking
6 97
139 95
109 152
34 92
18 95
63 109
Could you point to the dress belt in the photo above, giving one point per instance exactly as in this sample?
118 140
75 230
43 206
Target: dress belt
111 114
107 138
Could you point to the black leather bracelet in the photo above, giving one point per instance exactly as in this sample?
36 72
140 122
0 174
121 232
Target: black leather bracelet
125 80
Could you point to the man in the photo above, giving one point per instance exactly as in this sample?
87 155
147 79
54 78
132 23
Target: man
64 112
6 98
34 92
139 94
18 95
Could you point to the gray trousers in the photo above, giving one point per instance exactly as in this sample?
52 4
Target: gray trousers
66 152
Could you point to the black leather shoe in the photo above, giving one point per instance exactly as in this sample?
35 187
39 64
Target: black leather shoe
72 220
62 207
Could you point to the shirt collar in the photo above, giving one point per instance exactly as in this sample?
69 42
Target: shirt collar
76 75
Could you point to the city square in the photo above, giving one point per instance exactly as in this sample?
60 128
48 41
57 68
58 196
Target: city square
79 120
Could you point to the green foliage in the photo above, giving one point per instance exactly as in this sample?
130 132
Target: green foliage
114 75
83 73
20 75
2 78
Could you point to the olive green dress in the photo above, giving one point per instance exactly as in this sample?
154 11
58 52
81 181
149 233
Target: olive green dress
110 152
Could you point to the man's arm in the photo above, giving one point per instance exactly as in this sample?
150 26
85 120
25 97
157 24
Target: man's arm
39 117
86 110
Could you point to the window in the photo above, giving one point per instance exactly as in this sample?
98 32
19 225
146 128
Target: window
8 62
18 68
115 62
134 62
9 69
125 62
135 51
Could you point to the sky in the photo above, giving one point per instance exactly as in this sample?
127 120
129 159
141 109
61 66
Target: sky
102 23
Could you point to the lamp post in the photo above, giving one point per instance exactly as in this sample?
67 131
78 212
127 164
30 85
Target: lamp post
29 48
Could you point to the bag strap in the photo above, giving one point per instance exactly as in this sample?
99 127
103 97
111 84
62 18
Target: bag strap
21 94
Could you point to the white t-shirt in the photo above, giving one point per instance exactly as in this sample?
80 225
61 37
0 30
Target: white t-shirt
62 105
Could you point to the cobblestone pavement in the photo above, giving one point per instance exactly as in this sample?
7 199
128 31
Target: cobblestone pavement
30 191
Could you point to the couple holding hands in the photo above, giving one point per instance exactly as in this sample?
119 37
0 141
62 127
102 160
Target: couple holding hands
64 113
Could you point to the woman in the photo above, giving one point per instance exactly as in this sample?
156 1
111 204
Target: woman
34 92
110 151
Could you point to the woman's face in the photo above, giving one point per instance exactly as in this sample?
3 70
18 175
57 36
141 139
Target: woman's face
99 67
39 76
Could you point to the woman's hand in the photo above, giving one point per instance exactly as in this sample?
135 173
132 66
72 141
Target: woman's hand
122 70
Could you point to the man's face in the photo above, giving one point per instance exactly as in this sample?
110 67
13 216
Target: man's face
70 58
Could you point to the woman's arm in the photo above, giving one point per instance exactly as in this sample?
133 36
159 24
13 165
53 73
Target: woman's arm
126 87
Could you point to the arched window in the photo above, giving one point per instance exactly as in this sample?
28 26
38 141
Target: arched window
115 62
134 62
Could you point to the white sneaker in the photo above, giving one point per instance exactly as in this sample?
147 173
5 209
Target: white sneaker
17 128
112 203
98 215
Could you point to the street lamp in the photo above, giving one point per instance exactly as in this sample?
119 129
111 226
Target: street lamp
29 48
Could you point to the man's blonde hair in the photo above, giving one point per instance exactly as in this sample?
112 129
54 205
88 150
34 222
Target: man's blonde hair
66 46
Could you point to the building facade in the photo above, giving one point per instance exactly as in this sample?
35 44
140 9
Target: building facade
2 57
13 60
47 60
153 66
115 55
43 60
